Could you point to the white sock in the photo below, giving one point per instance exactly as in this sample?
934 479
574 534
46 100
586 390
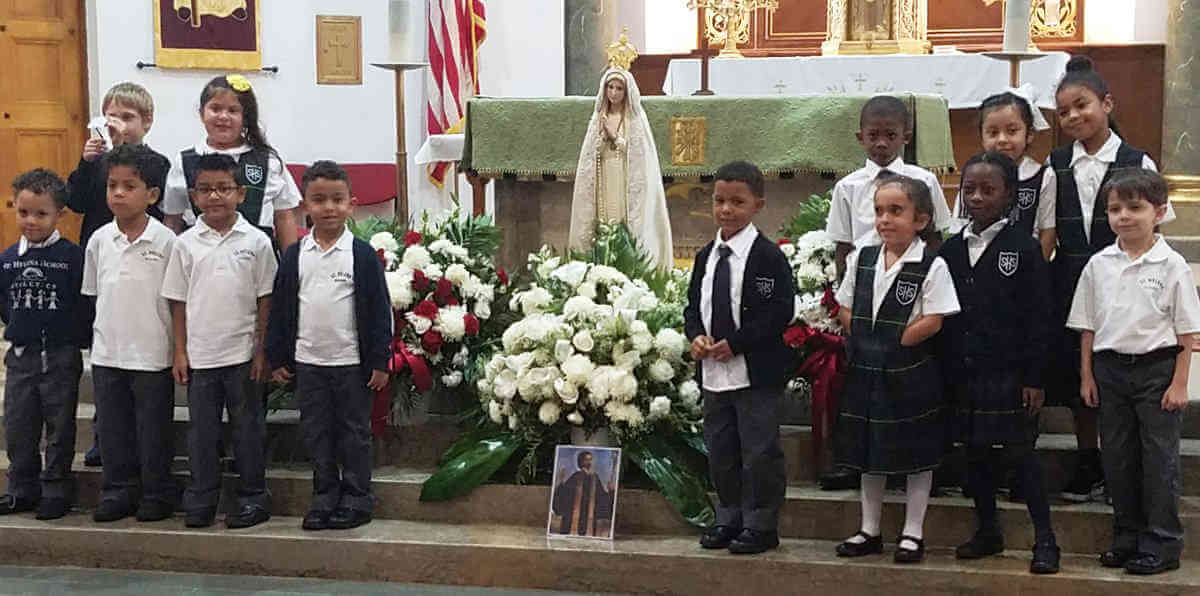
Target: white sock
872 506
918 489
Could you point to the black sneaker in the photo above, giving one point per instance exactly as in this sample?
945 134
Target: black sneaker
112 510
1046 556
52 508
200 518
752 542
248 516
983 544
717 536
1086 485
152 511
14 504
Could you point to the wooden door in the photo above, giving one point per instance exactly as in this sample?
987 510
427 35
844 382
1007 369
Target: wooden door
43 97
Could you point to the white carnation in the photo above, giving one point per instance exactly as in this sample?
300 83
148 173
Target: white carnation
519 363
670 343
451 323
549 413
571 274
639 326
789 249
416 257
567 391
624 386
661 371
578 369
420 324
659 406
575 418
534 300
583 341
689 392
483 310
505 386
454 379
648 301
399 285
642 342
578 307
457 274
603 274
627 360
587 289
433 271
598 385
626 413
385 241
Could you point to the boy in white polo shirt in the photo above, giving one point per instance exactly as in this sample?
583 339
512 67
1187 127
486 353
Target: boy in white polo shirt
219 284
1136 309
131 346
331 330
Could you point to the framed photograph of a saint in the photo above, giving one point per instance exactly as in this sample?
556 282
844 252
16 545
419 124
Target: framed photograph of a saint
583 496
207 34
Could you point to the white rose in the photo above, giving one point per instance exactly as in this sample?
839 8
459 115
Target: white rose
528 388
624 386
548 266
453 379
583 341
549 413
451 323
419 324
571 274
505 386
416 257
457 274
567 391
670 343
587 289
659 406
578 369
788 249
494 366
577 307
689 392
385 241
483 310
563 350
494 412
575 418
399 284
661 371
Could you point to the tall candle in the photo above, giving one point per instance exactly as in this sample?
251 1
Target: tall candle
1016 25
404 37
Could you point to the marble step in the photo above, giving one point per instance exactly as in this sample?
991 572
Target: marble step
522 557
807 513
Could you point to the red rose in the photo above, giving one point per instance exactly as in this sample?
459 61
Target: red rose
783 241
382 257
411 238
431 342
797 335
503 275
471 324
444 292
426 308
420 283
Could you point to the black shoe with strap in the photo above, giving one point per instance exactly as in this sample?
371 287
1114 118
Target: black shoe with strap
718 536
871 545
984 543
752 542
1046 557
908 555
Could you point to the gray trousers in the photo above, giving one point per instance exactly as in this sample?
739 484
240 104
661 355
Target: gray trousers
209 392
1141 455
335 421
745 461
135 409
41 394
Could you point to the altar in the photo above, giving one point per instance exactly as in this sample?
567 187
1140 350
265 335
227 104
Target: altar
963 79
530 147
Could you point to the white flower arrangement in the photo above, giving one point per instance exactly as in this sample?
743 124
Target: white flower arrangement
811 257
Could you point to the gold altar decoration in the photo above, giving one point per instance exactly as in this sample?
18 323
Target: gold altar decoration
876 27
1054 18
688 137
621 53
727 22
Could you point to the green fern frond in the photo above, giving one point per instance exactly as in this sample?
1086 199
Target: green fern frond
810 215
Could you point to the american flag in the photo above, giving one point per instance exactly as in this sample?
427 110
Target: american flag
456 29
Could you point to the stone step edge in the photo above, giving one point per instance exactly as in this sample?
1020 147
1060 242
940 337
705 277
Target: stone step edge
487 555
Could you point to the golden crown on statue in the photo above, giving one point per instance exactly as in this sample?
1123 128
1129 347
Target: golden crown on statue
621 53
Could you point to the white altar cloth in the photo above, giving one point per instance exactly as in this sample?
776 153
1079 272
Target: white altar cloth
964 79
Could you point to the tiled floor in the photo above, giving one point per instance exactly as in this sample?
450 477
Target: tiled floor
59 581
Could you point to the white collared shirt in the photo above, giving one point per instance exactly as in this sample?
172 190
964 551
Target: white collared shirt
732 374
133 321
280 192
1136 306
852 213
326 332
937 295
1044 219
220 278
1089 174
978 243
23 245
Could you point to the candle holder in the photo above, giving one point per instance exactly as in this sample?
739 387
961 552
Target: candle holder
728 21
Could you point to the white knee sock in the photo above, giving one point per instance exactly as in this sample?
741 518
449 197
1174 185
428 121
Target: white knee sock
872 505
917 502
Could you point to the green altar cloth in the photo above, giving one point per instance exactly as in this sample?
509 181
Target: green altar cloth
804 134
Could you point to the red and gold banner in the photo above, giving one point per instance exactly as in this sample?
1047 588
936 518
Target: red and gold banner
207 34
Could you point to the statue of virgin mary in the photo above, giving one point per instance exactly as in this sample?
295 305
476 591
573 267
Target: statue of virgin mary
618 178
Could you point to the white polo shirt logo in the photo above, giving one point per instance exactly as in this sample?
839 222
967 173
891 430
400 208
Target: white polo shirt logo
906 292
1009 261
152 256
341 277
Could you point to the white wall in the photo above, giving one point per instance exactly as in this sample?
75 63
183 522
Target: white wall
1125 21
670 28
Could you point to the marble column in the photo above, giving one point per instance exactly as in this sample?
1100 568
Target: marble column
590 26
1181 127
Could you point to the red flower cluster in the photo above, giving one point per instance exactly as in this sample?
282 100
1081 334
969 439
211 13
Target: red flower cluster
420 283
411 238
471 323
444 293
503 275
426 308
431 341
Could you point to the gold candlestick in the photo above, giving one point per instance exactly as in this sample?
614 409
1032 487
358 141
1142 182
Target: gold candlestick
728 21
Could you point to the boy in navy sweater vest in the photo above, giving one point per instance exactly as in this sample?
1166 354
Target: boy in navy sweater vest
330 328
740 300
47 322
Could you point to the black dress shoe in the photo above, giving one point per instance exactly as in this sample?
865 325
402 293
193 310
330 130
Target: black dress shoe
872 545
1045 557
92 459
200 518
250 515
344 518
1147 564
752 542
984 543
317 519
52 508
839 481
111 510
1116 557
719 536
151 511
904 555
14 504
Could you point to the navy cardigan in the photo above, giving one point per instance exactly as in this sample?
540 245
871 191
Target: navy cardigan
372 310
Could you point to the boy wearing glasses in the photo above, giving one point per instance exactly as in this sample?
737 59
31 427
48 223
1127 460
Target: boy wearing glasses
219 283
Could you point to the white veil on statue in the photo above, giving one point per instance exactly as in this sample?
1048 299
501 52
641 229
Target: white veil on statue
644 202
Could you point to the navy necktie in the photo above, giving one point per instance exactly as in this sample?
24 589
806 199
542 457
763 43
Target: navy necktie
722 305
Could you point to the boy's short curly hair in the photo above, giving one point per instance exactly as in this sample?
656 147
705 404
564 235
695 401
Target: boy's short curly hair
143 160
743 171
41 181
326 169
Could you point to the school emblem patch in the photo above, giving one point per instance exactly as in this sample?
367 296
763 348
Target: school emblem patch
1009 261
1026 197
765 286
254 174
906 292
